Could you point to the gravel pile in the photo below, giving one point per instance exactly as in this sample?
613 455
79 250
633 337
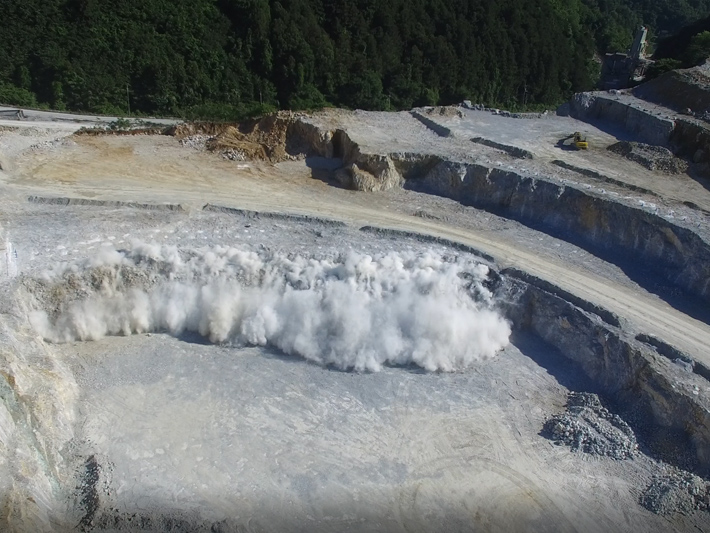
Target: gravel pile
50 144
651 157
234 155
589 427
200 142
197 141
677 491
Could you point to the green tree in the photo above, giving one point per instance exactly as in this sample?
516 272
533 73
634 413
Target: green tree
699 49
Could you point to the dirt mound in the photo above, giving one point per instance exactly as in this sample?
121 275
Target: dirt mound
651 157
232 140
261 139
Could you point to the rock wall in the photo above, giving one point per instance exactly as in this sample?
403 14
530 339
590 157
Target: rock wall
607 227
37 417
657 396
691 139
644 126
304 138
678 89
361 171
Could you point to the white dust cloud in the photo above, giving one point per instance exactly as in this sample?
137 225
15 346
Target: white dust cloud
353 311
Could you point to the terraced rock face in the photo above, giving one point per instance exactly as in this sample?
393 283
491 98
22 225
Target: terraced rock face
675 248
192 342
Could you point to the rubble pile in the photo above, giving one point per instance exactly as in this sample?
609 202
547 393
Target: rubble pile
651 157
51 144
589 427
234 155
202 142
677 491
197 141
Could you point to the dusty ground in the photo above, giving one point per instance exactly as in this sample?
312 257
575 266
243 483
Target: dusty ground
247 439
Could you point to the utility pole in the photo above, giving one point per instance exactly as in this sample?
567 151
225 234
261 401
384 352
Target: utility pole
128 99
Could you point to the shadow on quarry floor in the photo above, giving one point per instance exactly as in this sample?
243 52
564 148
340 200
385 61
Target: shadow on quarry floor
271 352
654 441
567 373
654 282
609 128
273 516
193 338
324 169
702 179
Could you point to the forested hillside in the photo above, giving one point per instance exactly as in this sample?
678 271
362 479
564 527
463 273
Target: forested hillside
229 57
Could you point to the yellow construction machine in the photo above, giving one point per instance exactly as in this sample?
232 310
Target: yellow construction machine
580 142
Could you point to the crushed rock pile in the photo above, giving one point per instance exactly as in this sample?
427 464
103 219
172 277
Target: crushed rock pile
444 111
589 427
201 143
197 141
677 491
650 157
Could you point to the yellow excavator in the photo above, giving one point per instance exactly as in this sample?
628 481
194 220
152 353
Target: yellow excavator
580 142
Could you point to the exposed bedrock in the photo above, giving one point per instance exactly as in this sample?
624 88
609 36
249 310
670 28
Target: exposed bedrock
644 126
688 137
607 227
659 397
37 416
691 139
678 254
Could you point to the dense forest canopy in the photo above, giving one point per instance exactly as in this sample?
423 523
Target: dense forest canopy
230 57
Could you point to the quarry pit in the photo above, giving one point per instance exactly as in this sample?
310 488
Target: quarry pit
442 319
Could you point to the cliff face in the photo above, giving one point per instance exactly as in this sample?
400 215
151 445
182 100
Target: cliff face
605 226
691 139
37 414
644 384
678 89
646 127
686 136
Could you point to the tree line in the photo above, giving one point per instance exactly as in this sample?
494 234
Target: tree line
230 58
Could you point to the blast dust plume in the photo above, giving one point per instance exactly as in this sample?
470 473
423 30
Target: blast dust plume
353 311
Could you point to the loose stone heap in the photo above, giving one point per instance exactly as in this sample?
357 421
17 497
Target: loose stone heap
651 157
677 491
589 427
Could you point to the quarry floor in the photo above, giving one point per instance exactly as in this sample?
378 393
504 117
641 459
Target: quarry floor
248 439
